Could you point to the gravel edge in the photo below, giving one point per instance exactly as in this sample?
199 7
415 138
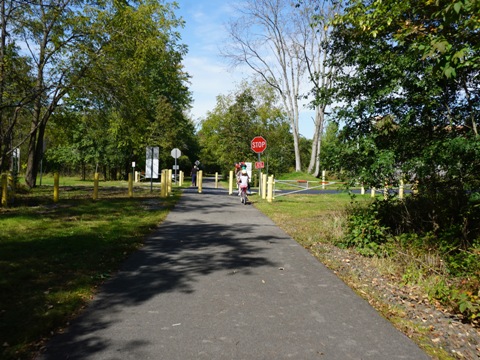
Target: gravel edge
441 334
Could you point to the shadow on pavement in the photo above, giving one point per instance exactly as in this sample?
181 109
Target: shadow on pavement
172 260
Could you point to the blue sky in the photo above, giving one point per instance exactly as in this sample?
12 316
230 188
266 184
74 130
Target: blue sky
204 34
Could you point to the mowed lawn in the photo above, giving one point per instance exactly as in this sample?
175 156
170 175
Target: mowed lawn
54 255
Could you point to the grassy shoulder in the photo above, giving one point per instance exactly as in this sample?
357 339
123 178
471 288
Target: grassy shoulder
318 223
54 255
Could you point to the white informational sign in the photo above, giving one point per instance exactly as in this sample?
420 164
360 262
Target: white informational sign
151 166
249 169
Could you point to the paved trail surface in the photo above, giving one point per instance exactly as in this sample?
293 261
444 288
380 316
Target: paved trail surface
218 280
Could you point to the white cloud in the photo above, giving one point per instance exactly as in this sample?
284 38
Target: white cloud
204 33
209 79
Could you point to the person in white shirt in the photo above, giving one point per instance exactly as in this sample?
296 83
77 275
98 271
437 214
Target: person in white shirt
243 181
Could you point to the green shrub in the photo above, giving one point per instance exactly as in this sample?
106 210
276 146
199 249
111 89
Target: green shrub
365 232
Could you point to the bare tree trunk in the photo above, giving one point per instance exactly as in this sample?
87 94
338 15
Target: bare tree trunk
3 134
36 139
314 35
314 166
314 152
470 108
264 40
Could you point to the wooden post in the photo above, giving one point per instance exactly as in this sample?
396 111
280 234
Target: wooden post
400 190
180 178
323 179
216 180
372 194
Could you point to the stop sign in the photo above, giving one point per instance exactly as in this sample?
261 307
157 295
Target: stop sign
258 144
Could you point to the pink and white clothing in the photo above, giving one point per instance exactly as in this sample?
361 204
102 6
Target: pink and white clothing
243 181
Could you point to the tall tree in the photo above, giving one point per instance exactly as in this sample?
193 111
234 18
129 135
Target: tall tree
265 38
226 133
314 20
405 107
15 83
136 93
55 34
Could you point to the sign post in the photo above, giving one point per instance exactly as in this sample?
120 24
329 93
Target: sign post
151 167
258 145
176 153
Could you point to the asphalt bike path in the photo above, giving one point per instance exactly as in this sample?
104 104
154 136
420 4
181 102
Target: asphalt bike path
219 280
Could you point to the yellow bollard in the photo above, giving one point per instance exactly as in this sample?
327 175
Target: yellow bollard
260 177
372 193
362 190
230 182
216 180
163 183
56 185
415 188
264 186
95 186
400 190
180 178
169 181
4 190
11 183
130 185
200 181
270 189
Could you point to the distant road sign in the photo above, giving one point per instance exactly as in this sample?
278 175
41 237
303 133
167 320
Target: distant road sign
258 144
259 165
176 153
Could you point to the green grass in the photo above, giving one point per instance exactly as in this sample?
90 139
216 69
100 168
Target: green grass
308 219
47 180
298 176
53 256
317 220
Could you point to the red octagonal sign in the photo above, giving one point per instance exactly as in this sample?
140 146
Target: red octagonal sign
259 144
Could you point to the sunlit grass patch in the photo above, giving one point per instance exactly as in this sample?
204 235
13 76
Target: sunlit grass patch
53 255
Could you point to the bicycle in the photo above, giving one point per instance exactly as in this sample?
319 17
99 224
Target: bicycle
243 181
243 195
